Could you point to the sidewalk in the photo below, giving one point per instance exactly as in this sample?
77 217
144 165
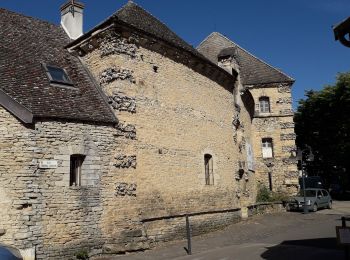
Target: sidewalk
278 236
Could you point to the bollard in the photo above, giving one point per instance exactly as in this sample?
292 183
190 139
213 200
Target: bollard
188 229
343 224
244 213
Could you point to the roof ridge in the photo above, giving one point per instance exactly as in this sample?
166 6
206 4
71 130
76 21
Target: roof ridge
206 38
237 45
131 3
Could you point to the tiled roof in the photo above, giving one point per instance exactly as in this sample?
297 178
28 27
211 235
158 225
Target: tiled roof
25 44
136 16
253 70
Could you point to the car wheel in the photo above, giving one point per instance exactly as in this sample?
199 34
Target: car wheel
329 205
314 207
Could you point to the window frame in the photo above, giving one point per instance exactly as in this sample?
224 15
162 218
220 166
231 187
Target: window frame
75 170
47 67
264 102
268 141
208 169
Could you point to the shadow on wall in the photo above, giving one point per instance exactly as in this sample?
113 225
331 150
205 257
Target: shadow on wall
320 249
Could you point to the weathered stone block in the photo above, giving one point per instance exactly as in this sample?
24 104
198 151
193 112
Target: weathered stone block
123 189
287 125
290 136
284 89
126 130
115 44
286 112
125 161
22 235
289 149
111 74
121 102
284 100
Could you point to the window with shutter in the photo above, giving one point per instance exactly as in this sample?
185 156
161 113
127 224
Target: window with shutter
267 149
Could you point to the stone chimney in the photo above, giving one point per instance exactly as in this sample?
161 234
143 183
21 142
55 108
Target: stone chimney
72 18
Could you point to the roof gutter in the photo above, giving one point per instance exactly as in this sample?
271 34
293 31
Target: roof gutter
18 110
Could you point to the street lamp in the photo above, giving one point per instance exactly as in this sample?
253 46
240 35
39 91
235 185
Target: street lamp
342 32
310 158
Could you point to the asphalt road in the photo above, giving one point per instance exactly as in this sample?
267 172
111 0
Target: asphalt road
289 235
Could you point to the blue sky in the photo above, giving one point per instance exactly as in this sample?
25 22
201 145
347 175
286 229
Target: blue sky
292 35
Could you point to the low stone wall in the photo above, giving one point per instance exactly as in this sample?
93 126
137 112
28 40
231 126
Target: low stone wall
168 228
174 227
266 208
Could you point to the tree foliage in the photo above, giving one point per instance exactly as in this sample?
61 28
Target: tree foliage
323 122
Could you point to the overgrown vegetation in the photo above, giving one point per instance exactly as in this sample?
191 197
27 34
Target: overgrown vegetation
265 195
82 254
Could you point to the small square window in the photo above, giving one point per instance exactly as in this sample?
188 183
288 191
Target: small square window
57 75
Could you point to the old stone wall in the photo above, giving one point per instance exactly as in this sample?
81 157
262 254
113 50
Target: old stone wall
40 208
179 116
175 227
278 125
149 165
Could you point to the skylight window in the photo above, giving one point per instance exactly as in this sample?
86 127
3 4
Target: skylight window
57 75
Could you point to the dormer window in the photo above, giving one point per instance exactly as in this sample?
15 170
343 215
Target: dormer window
57 75
224 58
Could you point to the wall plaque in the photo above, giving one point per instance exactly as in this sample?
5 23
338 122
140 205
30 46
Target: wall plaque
48 164
250 157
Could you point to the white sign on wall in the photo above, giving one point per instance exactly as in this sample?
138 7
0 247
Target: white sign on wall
250 157
48 164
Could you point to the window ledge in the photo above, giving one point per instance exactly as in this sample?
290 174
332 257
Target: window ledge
271 115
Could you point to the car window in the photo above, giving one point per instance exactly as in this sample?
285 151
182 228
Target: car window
325 193
308 193
319 193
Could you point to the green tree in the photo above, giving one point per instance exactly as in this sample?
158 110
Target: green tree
323 122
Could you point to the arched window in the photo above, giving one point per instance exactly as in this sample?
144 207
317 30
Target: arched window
267 148
208 166
264 104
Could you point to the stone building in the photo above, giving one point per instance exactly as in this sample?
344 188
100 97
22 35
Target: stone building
272 124
109 138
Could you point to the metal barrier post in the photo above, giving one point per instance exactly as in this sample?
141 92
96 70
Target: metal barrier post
188 229
343 224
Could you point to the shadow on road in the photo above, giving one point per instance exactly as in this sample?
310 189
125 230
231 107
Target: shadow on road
320 249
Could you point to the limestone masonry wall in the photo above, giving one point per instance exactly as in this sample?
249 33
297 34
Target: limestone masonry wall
149 165
179 116
41 209
278 125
